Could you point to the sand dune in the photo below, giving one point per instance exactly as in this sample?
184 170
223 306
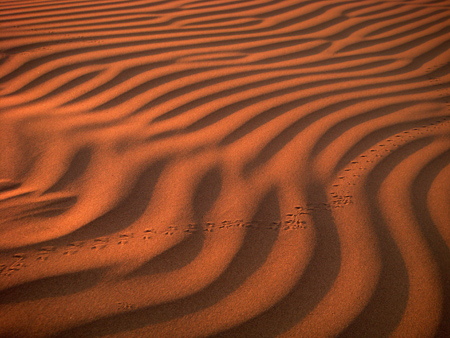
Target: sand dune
224 168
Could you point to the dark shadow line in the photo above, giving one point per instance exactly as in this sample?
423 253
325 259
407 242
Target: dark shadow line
121 216
59 15
55 22
309 290
51 7
118 79
52 287
441 252
147 85
78 81
391 38
77 167
386 307
385 11
221 4
402 23
256 247
343 126
374 137
293 130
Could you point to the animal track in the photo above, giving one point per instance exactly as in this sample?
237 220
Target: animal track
296 220
16 265
349 176
125 306
340 196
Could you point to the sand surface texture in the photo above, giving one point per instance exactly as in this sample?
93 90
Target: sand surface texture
224 168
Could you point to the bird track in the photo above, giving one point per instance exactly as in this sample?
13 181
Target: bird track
297 220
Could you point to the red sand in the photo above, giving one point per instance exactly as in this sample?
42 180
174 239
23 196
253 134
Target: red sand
258 168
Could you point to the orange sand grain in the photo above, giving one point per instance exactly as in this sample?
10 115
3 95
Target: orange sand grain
213 168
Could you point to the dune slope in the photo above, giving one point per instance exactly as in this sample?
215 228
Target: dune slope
212 168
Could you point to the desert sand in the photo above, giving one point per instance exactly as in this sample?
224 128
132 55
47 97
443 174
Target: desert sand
224 168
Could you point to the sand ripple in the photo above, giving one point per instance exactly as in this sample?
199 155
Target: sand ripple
225 168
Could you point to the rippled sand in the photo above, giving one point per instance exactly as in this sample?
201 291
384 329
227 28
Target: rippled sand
223 168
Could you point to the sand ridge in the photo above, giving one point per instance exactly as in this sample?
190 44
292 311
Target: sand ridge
212 168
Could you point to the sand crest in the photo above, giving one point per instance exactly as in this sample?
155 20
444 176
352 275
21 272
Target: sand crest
224 168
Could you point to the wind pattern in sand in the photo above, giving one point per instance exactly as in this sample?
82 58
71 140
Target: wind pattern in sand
260 168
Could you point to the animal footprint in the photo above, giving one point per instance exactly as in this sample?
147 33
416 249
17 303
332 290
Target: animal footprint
14 267
148 233
125 306
123 238
191 228
100 243
73 248
44 253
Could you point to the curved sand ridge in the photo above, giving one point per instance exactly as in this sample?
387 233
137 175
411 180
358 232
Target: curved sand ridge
229 168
